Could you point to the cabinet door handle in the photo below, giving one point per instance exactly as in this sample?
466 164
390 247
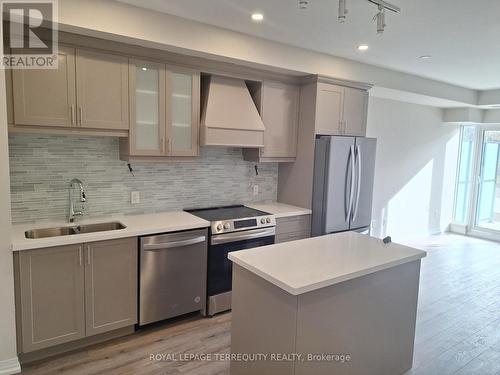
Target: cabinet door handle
340 126
72 114
162 145
169 141
88 255
80 256
80 109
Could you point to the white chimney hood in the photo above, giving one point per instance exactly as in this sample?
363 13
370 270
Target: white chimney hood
229 116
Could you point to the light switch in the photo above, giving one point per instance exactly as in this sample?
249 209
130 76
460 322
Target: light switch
135 197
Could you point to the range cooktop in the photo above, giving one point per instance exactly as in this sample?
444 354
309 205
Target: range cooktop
233 218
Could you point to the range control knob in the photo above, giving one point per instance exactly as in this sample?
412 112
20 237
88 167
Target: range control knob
268 220
262 221
219 227
227 226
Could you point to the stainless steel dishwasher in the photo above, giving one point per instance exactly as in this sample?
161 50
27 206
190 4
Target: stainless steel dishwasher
173 275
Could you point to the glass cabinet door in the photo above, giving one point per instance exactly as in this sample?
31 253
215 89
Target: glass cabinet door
147 109
183 112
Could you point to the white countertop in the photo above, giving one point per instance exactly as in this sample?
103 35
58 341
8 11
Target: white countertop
305 265
280 209
136 225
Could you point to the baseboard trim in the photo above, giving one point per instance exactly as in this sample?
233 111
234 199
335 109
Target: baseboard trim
10 366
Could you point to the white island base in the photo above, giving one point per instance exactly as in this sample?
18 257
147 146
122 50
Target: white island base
355 316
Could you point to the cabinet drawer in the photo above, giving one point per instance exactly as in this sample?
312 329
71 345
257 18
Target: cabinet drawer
293 224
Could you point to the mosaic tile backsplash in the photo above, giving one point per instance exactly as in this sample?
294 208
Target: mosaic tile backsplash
42 166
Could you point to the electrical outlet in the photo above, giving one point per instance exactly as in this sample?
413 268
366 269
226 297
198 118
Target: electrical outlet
135 197
256 190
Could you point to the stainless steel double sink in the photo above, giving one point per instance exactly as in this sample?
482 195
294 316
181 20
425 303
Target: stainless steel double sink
77 229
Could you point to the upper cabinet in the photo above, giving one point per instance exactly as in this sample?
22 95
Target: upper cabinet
88 90
102 90
279 107
341 110
183 111
164 111
46 97
329 109
355 111
147 109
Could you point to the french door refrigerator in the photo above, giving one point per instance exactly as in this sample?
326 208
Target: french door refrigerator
343 184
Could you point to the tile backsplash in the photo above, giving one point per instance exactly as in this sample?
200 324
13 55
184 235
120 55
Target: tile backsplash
42 166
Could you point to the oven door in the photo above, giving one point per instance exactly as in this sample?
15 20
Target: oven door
220 268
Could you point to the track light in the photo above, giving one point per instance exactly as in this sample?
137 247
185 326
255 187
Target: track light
342 11
380 17
303 4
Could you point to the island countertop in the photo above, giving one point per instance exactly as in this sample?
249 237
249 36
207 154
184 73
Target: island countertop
305 265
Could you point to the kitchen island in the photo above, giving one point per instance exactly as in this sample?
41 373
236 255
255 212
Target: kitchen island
337 304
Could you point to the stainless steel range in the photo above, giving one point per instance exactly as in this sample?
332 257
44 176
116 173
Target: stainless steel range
232 228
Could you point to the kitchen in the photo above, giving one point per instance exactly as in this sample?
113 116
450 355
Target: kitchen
154 186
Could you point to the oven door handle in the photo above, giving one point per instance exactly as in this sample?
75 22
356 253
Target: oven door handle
173 244
241 236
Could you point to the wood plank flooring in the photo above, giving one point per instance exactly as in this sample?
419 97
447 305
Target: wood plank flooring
458 325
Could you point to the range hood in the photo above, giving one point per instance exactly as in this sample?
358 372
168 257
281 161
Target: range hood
229 115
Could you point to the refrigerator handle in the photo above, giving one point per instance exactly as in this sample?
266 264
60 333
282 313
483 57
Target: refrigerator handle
351 197
358 165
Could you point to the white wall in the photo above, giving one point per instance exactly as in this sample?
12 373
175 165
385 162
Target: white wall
415 169
8 353
123 22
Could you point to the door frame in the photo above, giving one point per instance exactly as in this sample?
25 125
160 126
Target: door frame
472 228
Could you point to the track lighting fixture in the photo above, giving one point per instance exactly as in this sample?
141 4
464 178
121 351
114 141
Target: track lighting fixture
303 4
379 17
342 11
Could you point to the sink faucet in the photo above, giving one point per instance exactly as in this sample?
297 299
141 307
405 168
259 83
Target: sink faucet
83 199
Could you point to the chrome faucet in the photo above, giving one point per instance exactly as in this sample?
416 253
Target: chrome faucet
83 199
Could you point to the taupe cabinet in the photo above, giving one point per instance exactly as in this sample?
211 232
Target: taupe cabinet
70 292
46 97
293 228
88 90
341 110
327 107
164 111
279 108
102 90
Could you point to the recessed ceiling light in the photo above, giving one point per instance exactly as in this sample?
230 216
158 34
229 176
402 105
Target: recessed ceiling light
257 17
144 68
425 57
363 47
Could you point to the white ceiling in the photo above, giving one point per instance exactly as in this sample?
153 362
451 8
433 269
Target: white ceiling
463 36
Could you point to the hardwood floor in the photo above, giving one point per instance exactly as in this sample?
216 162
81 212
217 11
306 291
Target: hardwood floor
458 324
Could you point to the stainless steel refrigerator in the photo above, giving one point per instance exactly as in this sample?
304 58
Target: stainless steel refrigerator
343 184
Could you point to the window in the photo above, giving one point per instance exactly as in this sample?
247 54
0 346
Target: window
464 175
488 196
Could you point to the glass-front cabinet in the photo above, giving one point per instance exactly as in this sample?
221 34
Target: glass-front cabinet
164 110
183 105
147 109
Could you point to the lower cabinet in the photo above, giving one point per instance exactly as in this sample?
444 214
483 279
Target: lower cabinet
110 285
293 228
70 292
51 293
